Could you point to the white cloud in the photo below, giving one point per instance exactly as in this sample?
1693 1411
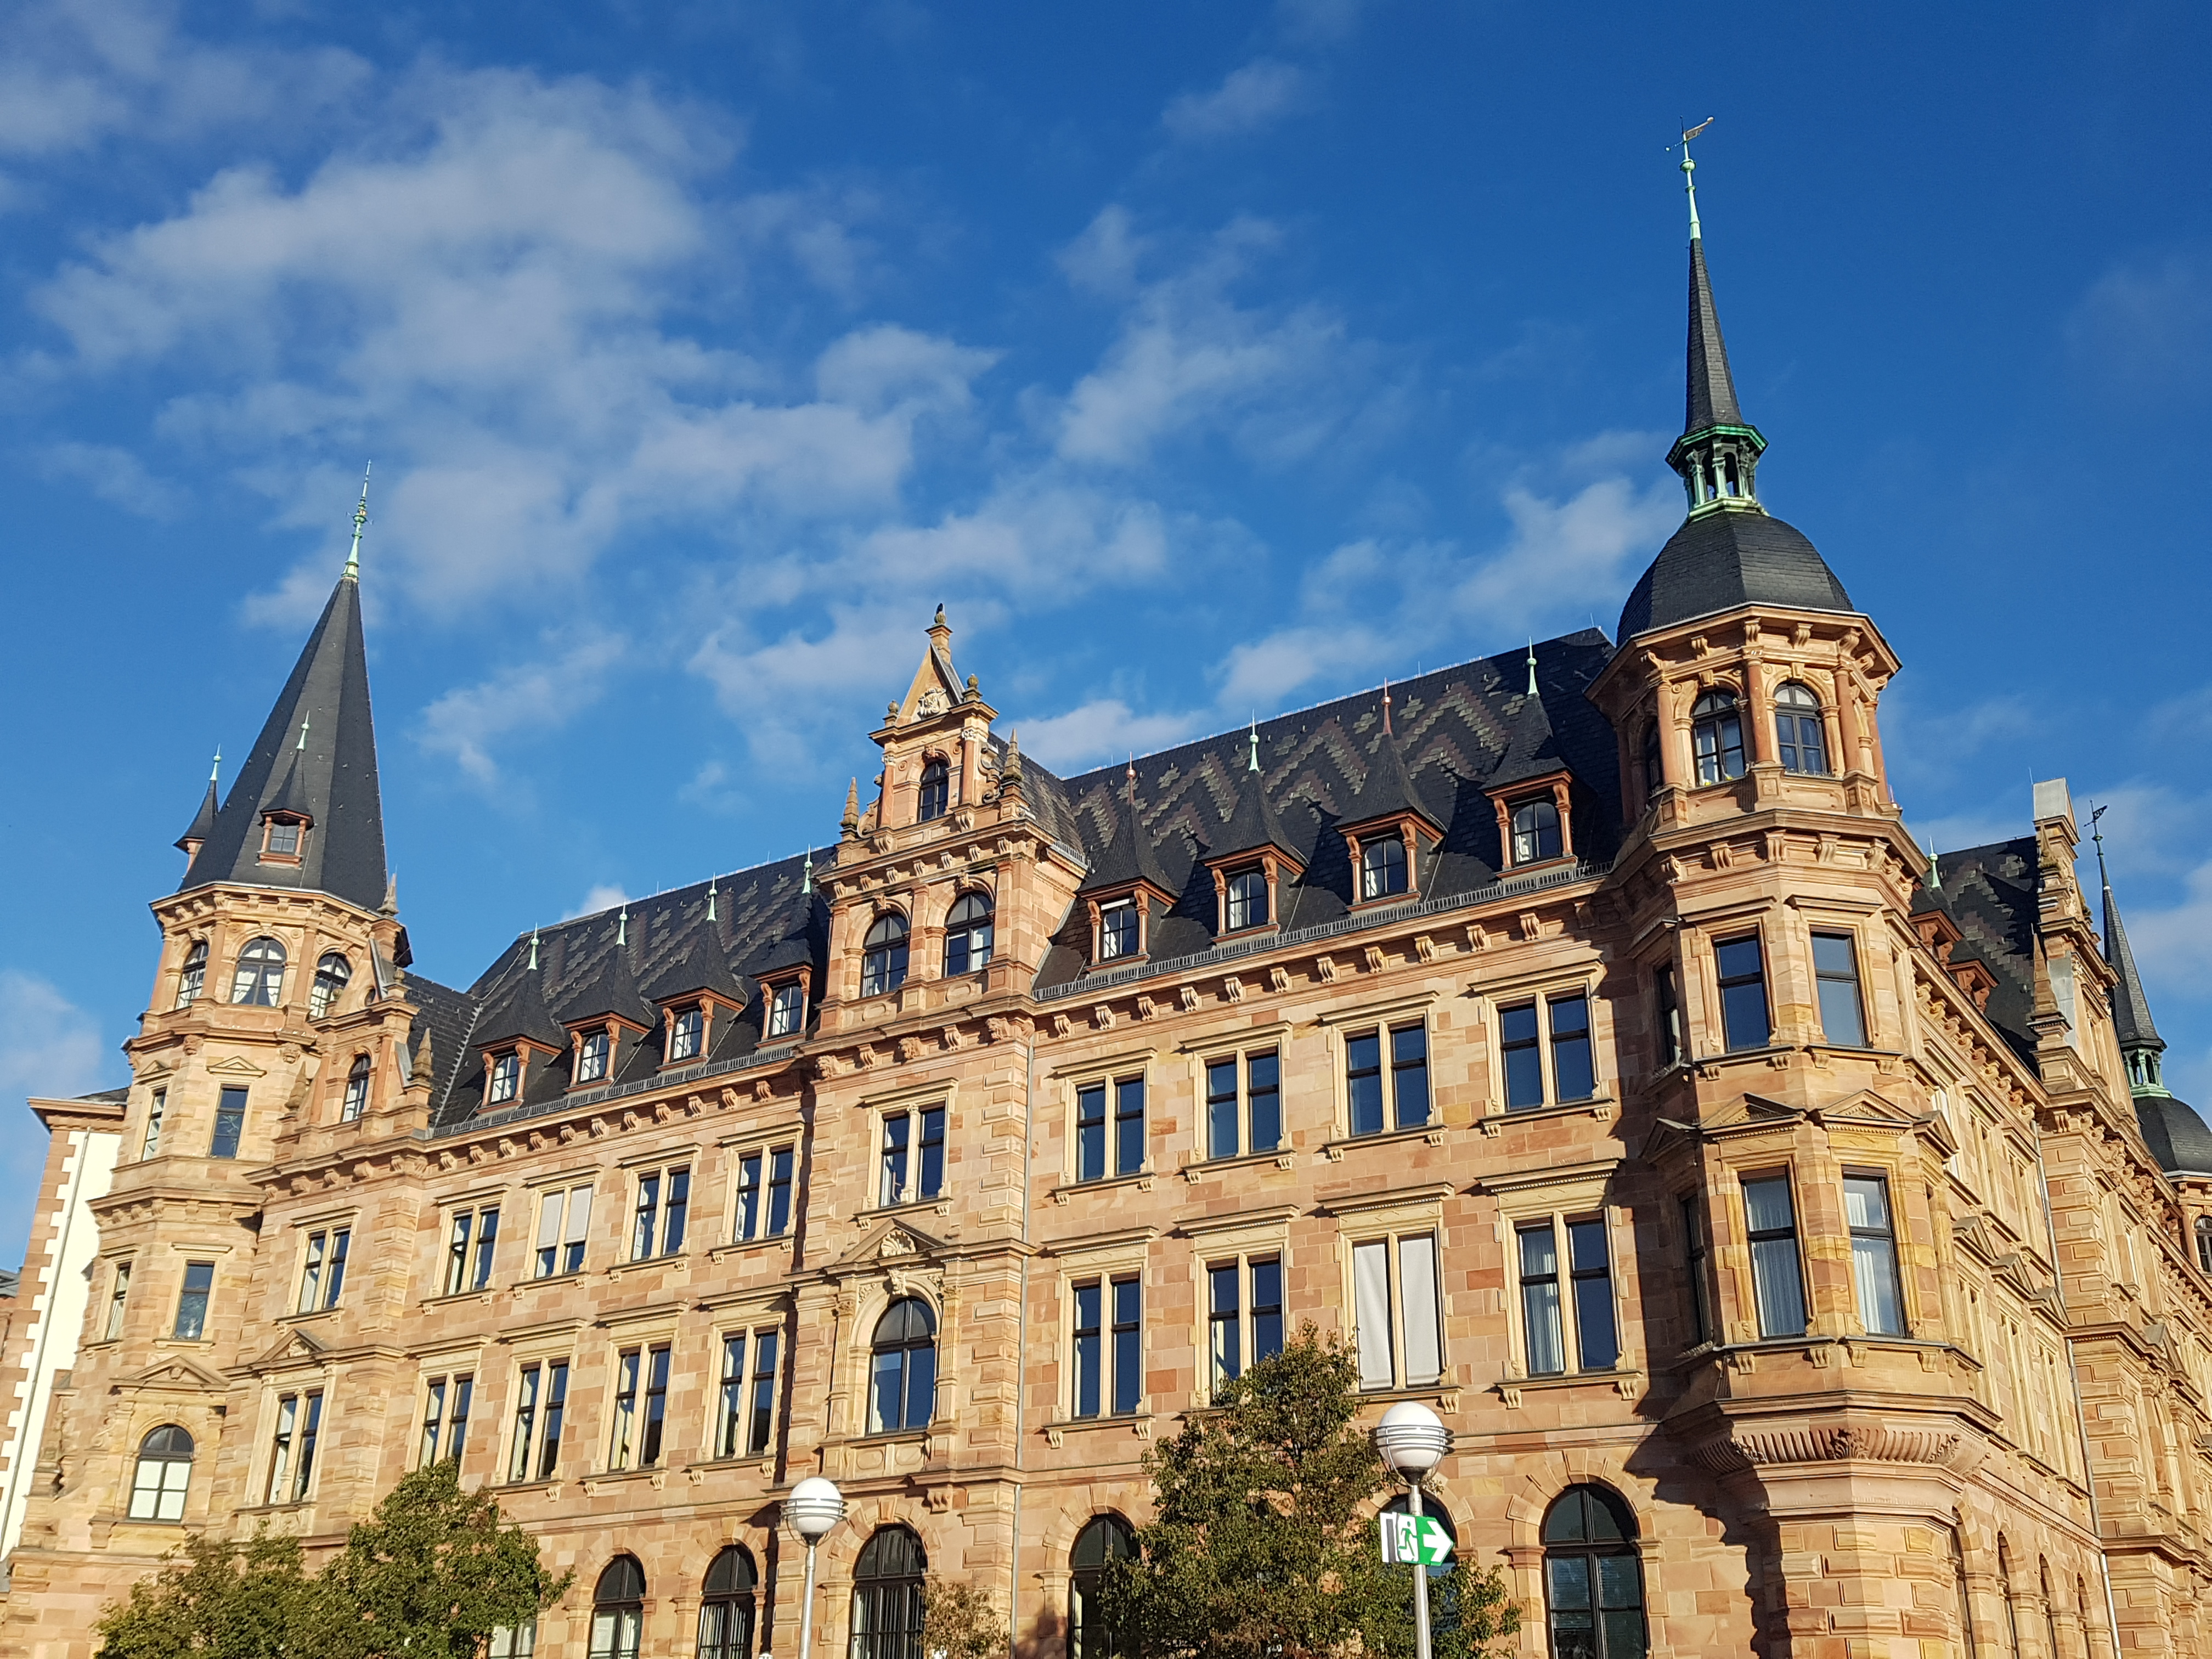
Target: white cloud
1101 729
2146 324
525 700
115 476
48 1045
605 897
1253 96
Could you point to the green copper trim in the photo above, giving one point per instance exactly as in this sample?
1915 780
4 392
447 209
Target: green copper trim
1689 440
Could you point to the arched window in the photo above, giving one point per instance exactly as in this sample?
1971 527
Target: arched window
331 973
726 1606
887 1596
618 1610
1798 732
968 935
883 955
591 1056
1248 900
1654 771
193 979
1716 737
2204 1243
2050 1609
1593 1577
260 975
903 1367
356 1089
1382 868
936 792
1966 1600
685 1032
1108 1537
165 1470
2012 1613
1535 831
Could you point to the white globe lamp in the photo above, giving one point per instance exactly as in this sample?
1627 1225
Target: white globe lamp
1413 1440
814 1507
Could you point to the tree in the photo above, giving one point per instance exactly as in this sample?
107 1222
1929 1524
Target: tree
249 1600
959 1622
1264 1545
430 1574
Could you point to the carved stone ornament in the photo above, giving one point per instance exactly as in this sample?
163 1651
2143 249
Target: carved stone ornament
895 1244
931 702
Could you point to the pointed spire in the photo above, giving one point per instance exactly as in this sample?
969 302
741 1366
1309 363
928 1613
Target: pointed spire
316 756
1386 710
1532 667
622 925
806 871
533 950
2140 1046
203 823
1254 764
850 822
1719 452
710 903
1010 769
360 517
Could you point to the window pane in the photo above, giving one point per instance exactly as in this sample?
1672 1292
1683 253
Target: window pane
1599 1340
1524 1066
1087 1352
1091 1134
1540 1300
1264 1100
1370 1285
779 1192
1129 1124
1572 1074
1266 1309
1781 1296
931 1181
1743 993
1128 1346
748 1175
1835 973
1417 1269
1409 1075
1222 1314
1221 1109
1362 1064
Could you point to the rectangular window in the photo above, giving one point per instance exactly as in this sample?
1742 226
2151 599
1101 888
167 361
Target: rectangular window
1778 1284
1521 1045
468 1269
912 1169
541 1400
1744 1023
1117 930
292 1457
1251 1120
322 1272
746 1418
1109 1348
1573 1075
1263 1099
156 1107
787 1010
514 1641
229 1123
1597 1337
1127 1146
1398 1325
657 1226
193 1302
1697 1268
1222 1109
1836 976
564 1221
1409 1078
118 1294
1409 1075
1089 1301
746 1223
1674 1045
779 1192
1230 1321
1363 1082
445 1417
641 1408
1128 1346
1518 1046
1540 1318
1874 1256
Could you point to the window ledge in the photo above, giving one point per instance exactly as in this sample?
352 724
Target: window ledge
1444 1393
1142 1180
941 1205
897 1437
484 1293
655 1475
1284 1158
307 1318
722 1253
676 1259
1601 1107
581 1273
184 1342
1627 1383
145 1521
290 1506
1432 1132
1137 1423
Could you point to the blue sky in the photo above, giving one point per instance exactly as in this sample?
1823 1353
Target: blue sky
1200 359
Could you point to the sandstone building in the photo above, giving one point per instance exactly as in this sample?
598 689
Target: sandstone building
1796 1234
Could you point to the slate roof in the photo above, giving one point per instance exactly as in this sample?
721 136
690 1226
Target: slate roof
332 778
2175 1134
1388 789
2131 1020
1720 559
1711 399
1990 892
203 821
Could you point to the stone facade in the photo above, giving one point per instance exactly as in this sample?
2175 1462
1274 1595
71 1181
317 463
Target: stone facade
1997 1445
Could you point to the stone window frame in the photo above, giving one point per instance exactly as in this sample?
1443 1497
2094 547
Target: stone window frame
1108 1070
543 1348
911 1101
1542 987
1395 1215
536 1189
1383 1014
765 1141
747 1315
1243 1237
299 1386
1241 1041
1573 1192
1102 1258
444 1366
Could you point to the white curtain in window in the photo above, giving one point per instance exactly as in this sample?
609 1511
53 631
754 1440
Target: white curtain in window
579 1215
1371 1289
549 1220
1417 1277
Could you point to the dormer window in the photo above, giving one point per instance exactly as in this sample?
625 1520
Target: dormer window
1382 868
685 1033
968 933
505 1080
591 1055
787 1010
193 979
281 836
1248 900
331 973
1117 929
936 792
883 955
1535 831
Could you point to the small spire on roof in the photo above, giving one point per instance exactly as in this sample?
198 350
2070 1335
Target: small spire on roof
360 517
710 902
215 772
1130 779
304 720
533 947
1253 765
1532 667
622 925
1386 709
850 824
1689 170
806 871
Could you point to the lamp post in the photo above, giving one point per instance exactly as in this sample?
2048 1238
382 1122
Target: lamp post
1413 1440
816 1505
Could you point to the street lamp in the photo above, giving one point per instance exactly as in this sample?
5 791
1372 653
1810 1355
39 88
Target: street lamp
1413 1440
816 1505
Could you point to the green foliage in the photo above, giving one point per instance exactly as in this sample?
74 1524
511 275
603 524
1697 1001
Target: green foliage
959 1622
1264 1545
428 1576
247 1601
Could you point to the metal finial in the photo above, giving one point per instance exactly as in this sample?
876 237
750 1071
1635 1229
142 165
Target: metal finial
215 773
360 517
1690 171
622 925
1253 765
2098 835
1532 668
1386 709
302 745
806 871
1130 778
710 903
533 947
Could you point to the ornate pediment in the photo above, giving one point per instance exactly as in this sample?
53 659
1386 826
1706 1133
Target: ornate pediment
235 1066
176 1374
295 1347
889 1242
